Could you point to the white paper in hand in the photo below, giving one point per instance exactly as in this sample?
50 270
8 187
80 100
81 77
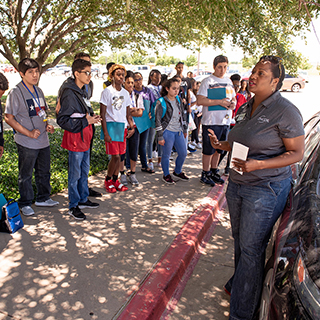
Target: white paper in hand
239 151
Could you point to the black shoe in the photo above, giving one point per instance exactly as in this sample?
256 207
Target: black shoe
88 204
93 193
226 171
77 213
206 179
216 178
168 180
181 176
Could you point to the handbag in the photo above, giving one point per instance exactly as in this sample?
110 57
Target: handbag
10 220
191 125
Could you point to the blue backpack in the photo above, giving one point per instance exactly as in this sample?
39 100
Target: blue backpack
164 110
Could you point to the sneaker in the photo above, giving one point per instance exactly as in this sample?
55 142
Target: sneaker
199 145
167 179
181 176
123 179
47 203
158 164
87 204
206 179
216 178
109 186
193 143
154 154
226 171
27 211
133 179
119 186
77 213
191 148
93 193
150 166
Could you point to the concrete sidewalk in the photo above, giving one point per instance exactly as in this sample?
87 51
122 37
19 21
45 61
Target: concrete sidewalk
58 268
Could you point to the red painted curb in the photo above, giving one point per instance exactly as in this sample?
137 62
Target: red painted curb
151 299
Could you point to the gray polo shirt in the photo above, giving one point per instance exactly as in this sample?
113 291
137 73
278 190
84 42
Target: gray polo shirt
274 119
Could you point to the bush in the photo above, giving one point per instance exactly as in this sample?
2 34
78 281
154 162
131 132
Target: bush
59 163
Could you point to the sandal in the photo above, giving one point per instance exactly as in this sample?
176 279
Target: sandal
148 170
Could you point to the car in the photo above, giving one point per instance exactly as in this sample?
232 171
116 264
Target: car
59 70
292 273
143 69
304 74
293 83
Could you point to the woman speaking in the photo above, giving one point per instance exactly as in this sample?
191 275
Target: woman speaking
272 128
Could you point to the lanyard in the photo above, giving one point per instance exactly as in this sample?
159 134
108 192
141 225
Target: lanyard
37 101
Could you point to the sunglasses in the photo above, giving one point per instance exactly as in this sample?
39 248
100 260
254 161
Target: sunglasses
276 60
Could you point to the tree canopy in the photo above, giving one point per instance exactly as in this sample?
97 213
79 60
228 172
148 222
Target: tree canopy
49 30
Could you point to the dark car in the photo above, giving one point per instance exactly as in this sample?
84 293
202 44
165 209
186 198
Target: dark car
292 274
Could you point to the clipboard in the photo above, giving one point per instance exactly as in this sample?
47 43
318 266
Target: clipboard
217 94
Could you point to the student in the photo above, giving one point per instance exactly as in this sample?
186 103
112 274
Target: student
185 95
155 86
75 118
171 130
148 100
89 92
244 90
25 113
235 78
196 112
108 82
217 120
136 110
113 109
4 85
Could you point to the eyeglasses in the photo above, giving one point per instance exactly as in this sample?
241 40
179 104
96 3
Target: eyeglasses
276 60
88 73
136 80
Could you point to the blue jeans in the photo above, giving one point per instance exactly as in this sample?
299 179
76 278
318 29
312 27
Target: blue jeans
177 140
253 209
39 160
143 148
79 165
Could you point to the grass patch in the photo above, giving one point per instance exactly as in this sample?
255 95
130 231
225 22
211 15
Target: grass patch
59 163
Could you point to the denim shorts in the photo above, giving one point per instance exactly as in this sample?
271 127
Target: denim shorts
220 131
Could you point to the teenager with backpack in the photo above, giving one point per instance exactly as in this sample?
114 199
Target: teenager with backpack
171 128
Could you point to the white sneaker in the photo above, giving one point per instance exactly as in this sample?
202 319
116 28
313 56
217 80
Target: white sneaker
154 154
123 179
150 166
27 211
133 179
193 143
47 203
199 145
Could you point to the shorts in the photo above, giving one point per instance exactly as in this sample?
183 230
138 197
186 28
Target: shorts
220 131
117 147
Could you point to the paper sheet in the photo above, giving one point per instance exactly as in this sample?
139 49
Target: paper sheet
239 151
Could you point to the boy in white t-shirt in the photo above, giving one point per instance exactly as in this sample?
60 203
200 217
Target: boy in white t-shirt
218 120
113 110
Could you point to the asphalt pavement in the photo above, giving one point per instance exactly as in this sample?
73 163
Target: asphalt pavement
59 268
